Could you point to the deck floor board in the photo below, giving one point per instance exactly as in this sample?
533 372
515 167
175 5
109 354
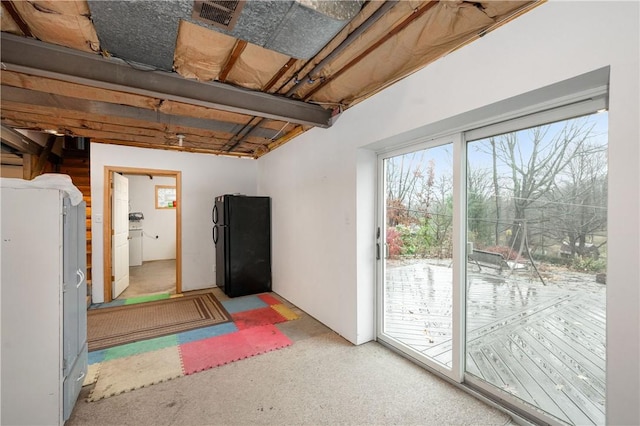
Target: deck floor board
543 344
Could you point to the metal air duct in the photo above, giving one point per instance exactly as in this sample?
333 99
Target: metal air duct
145 32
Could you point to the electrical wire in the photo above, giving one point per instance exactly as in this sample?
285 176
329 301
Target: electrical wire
273 138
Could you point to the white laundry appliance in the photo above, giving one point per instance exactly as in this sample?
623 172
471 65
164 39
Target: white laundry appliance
135 239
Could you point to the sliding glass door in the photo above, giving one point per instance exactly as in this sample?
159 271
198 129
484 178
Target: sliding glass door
417 240
492 272
537 232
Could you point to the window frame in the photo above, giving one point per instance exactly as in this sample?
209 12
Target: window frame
162 192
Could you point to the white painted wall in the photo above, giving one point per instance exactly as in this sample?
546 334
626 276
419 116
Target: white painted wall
159 223
323 220
203 178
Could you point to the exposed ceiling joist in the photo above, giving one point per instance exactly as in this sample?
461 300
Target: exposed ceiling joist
37 58
19 142
44 155
388 5
235 54
17 18
9 159
415 15
31 97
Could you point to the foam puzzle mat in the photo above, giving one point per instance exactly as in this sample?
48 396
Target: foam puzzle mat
136 365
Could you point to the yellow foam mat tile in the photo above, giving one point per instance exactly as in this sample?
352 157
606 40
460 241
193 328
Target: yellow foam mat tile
126 374
285 312
92 374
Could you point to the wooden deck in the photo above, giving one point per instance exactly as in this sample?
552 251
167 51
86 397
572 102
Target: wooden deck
543 344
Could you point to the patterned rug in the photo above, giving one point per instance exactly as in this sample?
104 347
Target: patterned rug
135 365
118 325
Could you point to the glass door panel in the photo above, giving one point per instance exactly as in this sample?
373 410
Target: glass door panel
416 294
537 233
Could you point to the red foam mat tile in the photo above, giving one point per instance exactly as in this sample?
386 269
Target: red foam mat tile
257 317
269 299
212 352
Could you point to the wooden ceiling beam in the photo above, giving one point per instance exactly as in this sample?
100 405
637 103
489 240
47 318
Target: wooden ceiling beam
398 28
298 130
388 5
20 110
38 98
239 140
86 129
277 76
44 121
44 155
169 147
80 91
11 159
82 127
238 48
17 18
240 134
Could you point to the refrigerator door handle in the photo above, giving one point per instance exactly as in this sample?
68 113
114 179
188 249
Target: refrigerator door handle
214 214
215 234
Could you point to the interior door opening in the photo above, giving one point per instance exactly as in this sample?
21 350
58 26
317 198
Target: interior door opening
158 268
151 219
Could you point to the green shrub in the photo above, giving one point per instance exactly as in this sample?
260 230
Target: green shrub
553 260
588 264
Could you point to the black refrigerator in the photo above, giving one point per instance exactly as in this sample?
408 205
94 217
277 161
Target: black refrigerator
242 237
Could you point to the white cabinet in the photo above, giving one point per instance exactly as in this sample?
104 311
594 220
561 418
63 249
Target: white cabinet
43 305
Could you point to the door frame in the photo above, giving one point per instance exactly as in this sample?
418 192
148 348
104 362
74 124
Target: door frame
456 373
107 206
583 103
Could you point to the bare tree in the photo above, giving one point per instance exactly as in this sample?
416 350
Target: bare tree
582 199
479 194
441 214
403 174
496 191
535 162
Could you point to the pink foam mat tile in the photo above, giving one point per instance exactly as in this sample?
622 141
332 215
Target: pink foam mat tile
257 317
215 351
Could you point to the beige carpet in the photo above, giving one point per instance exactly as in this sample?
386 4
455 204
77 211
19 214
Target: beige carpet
119 325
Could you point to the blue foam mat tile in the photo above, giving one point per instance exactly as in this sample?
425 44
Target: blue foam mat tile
117 302
206 332
244 303
96 356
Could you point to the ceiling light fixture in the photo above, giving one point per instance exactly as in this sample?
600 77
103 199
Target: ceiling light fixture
53 132
180 139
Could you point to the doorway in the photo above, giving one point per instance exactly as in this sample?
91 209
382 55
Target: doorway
148 275
152 243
